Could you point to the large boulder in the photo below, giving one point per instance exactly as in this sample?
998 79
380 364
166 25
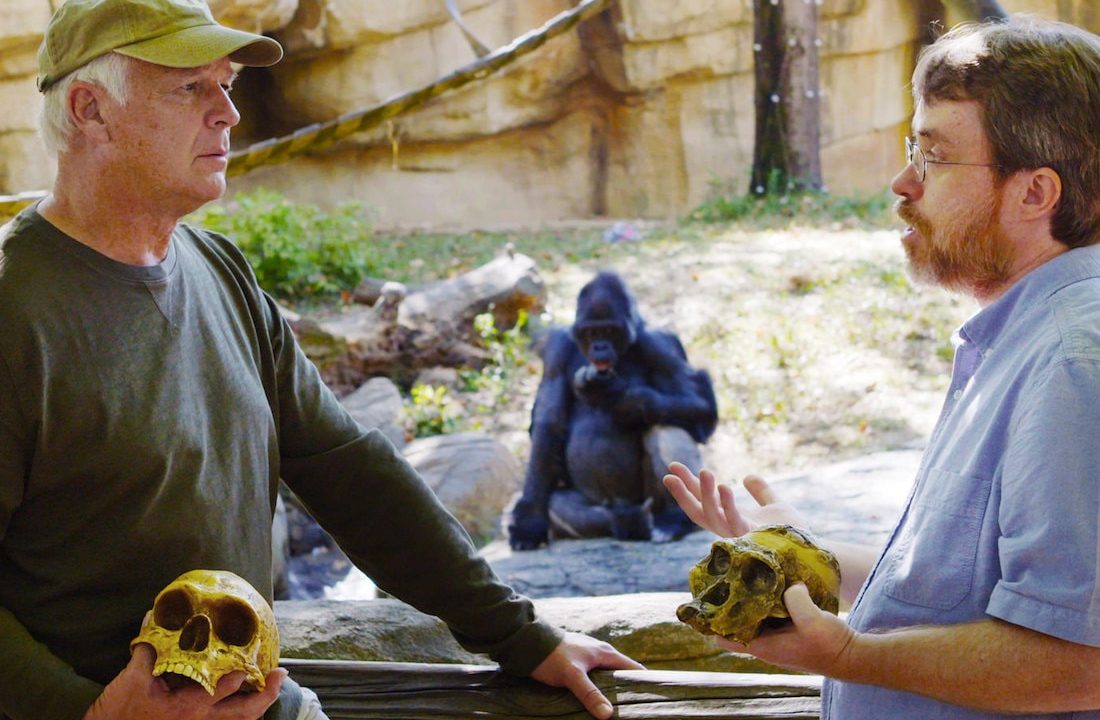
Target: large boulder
472 474
377 404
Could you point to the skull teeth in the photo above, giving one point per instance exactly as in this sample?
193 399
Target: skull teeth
187 671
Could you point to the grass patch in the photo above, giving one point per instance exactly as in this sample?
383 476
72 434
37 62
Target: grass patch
778 208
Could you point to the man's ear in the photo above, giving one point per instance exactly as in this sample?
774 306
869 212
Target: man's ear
1040 192
85 110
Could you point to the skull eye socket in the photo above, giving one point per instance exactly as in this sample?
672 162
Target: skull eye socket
234 622
719 563
717 594
172 609
758 575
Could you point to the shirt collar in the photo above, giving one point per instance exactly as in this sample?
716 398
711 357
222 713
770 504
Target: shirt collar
1034 288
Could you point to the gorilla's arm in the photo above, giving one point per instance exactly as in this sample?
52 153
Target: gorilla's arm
676 393
546 471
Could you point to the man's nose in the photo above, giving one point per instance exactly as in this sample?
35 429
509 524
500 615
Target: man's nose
224 113
906 184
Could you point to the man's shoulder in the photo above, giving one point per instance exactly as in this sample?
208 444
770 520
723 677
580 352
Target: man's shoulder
20 253
213 247
1075 309
200 236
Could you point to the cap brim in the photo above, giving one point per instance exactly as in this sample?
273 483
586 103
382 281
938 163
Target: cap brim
203 44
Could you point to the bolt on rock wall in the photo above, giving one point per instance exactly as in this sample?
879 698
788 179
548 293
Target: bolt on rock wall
643 112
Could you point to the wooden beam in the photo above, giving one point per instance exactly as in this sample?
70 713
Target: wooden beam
419 691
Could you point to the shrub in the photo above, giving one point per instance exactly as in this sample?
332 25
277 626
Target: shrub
432 411
297 251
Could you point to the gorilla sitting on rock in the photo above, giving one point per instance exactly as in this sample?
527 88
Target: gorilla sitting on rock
616 403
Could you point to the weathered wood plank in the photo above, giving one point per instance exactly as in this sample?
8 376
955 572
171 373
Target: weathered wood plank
352 690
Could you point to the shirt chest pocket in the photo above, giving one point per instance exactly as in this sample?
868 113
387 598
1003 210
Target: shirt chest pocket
932 562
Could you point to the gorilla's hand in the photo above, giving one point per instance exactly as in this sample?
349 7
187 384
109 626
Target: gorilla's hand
639 405
527 529
590 382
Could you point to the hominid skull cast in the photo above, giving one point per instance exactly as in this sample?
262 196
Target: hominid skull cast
738 588
208 623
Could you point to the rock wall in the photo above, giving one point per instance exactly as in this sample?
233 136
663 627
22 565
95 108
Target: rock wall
644 112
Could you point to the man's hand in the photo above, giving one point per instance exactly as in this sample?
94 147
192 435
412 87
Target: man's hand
711 505
816 641
568 666
136 695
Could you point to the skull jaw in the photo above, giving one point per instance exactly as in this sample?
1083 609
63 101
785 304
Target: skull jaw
179 667
178 672
740 624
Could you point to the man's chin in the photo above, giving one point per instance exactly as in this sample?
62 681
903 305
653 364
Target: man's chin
918 265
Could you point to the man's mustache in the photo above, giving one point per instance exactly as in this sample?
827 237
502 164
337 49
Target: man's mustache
905 210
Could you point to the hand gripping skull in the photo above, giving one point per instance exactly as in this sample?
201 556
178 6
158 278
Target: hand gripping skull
208 623
738 588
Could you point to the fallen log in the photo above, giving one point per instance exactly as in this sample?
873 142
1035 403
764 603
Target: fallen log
352 690
407 330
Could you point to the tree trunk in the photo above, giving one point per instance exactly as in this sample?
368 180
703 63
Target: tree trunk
787 153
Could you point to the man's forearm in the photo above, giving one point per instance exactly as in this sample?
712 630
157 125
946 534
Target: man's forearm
990 665
34 683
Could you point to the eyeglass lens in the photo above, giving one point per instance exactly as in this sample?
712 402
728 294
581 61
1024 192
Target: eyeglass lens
915 157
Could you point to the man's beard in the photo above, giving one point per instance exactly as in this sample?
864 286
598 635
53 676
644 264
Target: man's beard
966 252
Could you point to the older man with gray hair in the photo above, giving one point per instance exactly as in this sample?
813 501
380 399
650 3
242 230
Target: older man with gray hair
153 397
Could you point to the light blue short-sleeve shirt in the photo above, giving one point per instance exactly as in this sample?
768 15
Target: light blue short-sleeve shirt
1003 518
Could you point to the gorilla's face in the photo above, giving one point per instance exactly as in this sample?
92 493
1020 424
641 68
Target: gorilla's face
607 321
602 342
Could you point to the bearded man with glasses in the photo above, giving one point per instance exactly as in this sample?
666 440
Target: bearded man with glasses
985 602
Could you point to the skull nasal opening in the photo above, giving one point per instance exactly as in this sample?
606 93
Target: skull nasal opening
195 635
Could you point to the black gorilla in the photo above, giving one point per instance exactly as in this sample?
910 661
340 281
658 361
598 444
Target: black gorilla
606 383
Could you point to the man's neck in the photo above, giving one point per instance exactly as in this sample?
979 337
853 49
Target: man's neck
110 224
1031 256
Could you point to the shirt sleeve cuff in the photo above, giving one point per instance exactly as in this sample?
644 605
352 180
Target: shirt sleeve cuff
1054 620
525 650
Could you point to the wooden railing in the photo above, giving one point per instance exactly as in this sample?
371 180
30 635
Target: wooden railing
418 691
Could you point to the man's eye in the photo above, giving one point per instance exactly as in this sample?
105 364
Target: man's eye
190 87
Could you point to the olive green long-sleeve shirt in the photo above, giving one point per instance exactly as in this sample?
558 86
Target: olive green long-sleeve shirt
146 416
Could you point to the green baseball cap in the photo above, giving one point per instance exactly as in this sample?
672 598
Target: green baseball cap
173 33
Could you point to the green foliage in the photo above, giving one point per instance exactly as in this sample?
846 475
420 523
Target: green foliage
508 354
778 207
297 251
507 348
432 411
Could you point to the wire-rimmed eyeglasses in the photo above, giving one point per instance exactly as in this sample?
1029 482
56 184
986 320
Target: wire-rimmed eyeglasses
915 157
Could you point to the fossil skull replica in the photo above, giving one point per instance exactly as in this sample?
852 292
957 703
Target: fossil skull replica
738 588
208 623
